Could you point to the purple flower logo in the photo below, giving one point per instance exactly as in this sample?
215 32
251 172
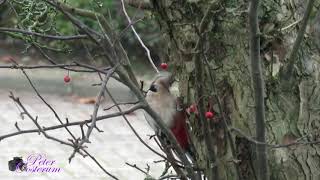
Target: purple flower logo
36 163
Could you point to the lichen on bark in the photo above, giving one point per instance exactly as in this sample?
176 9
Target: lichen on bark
290 114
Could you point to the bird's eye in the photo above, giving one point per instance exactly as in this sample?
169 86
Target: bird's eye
153 88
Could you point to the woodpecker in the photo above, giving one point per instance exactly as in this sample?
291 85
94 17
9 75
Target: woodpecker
162 101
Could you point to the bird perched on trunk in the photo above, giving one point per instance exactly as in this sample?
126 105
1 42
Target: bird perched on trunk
166 105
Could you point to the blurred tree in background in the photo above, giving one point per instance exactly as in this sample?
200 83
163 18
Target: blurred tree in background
54 23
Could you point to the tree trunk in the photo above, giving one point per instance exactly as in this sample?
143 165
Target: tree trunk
208 46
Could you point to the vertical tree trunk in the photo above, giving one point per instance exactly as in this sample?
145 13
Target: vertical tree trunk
258 89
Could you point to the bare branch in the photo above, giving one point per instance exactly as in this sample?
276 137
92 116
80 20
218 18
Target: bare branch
78 146
138 37
205 127
273 146
45 102
57 37
98 102
124 103
298 41
99 118
171 176
171 159
35 121
16 125
131 127
258 86
136 167
115 51
92 34
221 111
95 111
17 66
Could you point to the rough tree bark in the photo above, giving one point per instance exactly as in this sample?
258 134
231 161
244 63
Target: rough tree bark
217 31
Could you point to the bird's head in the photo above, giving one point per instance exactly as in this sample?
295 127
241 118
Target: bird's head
161 84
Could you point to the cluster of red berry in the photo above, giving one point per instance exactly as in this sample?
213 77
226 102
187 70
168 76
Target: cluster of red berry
193 109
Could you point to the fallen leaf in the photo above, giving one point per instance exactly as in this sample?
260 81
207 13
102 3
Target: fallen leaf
89 100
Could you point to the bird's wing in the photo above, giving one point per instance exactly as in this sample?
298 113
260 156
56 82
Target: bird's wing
150 121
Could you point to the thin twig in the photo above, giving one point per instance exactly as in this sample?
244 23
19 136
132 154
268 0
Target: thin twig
58 118
221 111
55 37
171 176
136 167
95 112
45 102
298 41
172 160
131 127
273 146
35 121
124 103
138 37
125 30
99 118
290 25
62 66
91 33
98 102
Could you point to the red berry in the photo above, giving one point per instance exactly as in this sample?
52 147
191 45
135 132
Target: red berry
209 115
164 66
192 108
67 79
